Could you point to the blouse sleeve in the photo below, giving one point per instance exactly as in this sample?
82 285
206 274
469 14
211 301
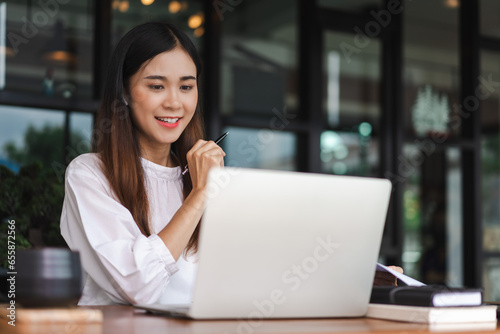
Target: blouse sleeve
129 266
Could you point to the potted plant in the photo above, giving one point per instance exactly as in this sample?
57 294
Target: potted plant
30 200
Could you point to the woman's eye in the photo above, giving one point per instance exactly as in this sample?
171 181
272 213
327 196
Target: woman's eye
186 87
156 87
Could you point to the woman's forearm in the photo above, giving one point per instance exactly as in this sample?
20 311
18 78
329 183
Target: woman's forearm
178 231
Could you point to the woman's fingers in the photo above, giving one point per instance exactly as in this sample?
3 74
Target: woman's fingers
201 158
396 268
202 146
385 278
198 145
206 151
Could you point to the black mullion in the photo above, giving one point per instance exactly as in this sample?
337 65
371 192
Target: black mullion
471 131
490 43
28 100
452 142
102 44
310 75
391 134
102 51
265 123
491 254
211 76
66 137
342 21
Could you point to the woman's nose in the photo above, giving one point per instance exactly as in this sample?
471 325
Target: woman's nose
171 100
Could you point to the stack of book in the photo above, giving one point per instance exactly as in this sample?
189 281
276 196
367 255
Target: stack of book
430 305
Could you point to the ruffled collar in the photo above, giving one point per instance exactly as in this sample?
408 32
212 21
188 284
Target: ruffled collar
161 172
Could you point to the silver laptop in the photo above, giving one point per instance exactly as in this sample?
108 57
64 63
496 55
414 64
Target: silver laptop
277 244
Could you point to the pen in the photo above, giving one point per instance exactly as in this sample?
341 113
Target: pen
218 140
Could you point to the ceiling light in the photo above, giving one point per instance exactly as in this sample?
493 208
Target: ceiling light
198 32
452 3
195 21
147 2
59 48
174 7
123 6
61 56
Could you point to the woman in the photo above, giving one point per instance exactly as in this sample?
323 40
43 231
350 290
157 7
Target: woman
128 210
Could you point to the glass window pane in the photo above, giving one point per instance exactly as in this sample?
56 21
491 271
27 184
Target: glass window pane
491 277
49 47
351 106
489 23
432 215
32 146
263 148
352 81
431 73
352 5
430 167
259 59
187 15
28 135
490 155
81 125
350 153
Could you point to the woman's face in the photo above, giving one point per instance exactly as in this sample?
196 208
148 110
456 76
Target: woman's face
163 99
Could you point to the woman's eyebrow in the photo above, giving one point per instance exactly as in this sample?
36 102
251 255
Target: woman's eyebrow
163 78
156 77
188 77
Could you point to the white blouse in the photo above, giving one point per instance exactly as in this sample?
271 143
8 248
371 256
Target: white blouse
121 264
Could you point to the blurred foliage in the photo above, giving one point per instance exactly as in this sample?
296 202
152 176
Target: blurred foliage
411 207
33 197
491 154
45 145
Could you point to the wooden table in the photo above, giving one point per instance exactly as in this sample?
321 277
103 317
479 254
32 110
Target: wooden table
127 320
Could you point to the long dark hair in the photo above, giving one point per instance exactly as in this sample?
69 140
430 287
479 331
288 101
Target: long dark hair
114 131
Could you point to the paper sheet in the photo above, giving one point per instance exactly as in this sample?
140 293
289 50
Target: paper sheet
406 279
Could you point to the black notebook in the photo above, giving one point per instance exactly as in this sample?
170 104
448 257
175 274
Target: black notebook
437 296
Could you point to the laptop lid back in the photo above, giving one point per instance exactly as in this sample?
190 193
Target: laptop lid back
277 244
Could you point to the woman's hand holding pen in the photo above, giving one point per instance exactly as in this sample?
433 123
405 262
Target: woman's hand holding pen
203 156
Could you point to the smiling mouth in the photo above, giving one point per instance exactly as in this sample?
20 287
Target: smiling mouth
168 120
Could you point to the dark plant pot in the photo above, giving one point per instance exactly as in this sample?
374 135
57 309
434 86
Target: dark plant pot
48 277
4 286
